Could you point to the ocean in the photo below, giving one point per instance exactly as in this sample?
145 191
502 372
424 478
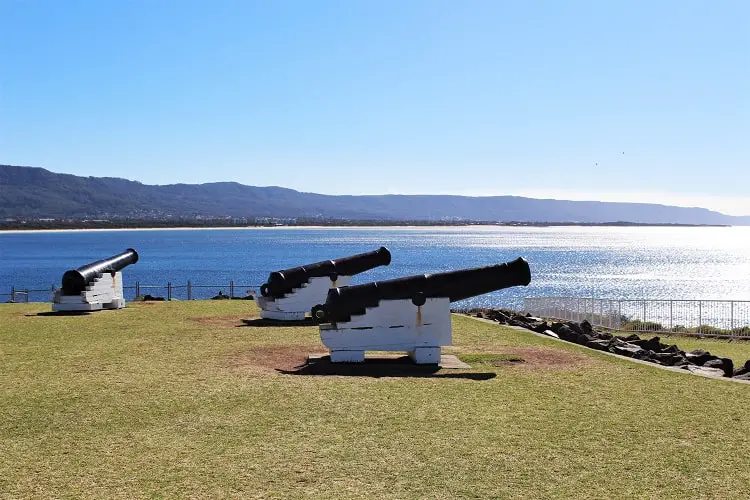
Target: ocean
603 262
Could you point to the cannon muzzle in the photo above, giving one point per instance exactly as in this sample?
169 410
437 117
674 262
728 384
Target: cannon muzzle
344 302
76 280
282 282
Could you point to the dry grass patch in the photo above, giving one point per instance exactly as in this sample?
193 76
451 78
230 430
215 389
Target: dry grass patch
272 358
529 358
228 320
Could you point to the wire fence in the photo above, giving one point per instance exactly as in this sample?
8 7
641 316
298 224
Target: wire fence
730 318
168 291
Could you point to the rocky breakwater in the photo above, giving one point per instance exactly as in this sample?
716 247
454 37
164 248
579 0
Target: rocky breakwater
631 346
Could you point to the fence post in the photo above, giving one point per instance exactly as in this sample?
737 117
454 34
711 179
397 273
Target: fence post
231 289
26 291
644 310
700 316
731 316
190 290
12 294
671 320
169 290
137 288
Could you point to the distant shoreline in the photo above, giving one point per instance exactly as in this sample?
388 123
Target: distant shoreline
360 227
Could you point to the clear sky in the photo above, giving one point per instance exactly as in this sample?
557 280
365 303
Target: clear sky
610 100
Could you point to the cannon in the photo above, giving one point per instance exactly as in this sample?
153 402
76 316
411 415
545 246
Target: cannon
291 293
406 314
95 286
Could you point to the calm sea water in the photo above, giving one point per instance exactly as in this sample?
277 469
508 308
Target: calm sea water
706 263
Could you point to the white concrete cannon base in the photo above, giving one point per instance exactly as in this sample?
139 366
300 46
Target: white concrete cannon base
394 325
294 306
104 292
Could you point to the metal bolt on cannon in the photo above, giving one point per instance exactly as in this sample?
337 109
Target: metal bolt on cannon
406 314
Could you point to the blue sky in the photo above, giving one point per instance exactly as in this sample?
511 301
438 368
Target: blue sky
535 98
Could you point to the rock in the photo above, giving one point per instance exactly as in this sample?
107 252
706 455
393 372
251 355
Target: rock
220 296
576 327
629 338
652 344
669 359
599 345
550 333
673 349
150 298
521 319
604 335
699 357
586 327
479 315
540 327
515 322
591 338
744 370
744 376
496 315
644 355
706 372
724 364
567 333
626 349
615 342
556 326
681 361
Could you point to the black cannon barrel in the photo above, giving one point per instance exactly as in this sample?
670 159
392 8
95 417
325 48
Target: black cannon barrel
76 280
343 302
283 282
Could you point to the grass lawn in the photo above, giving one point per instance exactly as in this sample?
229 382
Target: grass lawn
181 399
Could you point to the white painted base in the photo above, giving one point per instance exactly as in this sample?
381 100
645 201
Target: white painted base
282 315
81 306
294 306
394 325
103 293
425 355
347 356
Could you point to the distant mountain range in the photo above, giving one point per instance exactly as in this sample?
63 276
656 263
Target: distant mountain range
27 192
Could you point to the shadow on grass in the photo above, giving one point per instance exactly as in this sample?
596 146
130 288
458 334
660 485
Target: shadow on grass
58 313
263 322
377 368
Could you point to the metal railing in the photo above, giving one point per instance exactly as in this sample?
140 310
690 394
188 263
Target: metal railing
24 294
730 318
169 291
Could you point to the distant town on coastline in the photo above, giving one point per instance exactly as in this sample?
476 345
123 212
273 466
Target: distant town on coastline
35 198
